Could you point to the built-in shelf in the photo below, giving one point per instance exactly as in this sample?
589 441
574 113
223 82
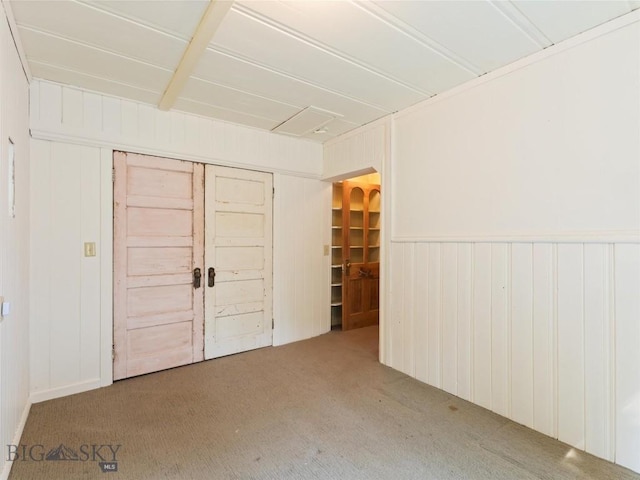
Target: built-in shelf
355 237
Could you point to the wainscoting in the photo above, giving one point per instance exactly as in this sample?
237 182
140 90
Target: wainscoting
532 331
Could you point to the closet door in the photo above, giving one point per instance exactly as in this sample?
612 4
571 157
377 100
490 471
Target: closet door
238 259
158 245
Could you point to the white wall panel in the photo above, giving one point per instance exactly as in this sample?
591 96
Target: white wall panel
357 152
14 246
534 327
597 292
434 345
571 344
66 317
627 358
482 324
500 329
449 317
465 314
544 351
522 333
109 122
300 272
519 155
408 303
546 311
396 307
421 326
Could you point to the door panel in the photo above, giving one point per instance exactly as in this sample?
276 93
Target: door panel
361 244
235 224
238 237
156 261
160 221
158 241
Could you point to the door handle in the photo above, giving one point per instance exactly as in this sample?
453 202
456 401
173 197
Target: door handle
212 276
197 275
347 267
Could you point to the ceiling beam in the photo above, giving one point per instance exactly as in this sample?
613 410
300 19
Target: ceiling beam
209 23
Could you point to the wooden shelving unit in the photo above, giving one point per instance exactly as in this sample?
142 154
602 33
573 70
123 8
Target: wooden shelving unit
336 256
355 254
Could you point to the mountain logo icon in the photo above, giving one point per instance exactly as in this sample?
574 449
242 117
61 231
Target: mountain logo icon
62 453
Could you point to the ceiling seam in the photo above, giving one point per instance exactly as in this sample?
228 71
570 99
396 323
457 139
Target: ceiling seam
260 117
513 14
327 49
94 47
245 92
252 63
131 20
84 74
419 37
235 55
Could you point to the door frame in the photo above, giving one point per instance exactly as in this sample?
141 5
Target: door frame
385 244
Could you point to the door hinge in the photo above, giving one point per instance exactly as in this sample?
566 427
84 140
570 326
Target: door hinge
113 175
273 324
273 192
113 352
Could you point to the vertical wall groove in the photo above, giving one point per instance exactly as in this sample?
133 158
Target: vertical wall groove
554 348
612 350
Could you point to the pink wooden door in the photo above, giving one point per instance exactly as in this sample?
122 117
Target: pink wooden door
158 242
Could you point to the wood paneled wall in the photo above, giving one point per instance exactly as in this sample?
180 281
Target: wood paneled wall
76 116
539 325
544 334
14 247
75 133
357 152
68 307
302 219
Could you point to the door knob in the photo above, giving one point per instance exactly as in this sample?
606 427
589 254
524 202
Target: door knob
197 275
212 276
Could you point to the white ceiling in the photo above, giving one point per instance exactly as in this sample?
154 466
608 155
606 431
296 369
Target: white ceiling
269 60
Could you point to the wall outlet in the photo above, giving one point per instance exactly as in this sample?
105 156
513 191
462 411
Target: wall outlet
6 309
326 250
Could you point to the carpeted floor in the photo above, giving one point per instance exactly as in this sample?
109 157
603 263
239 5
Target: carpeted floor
318 409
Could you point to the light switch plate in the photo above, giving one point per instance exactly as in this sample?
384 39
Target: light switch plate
326 250
6 309
89 249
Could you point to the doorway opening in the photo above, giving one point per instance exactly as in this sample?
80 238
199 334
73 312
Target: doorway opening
355 252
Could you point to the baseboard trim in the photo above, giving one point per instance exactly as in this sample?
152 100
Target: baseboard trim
44 395
16 439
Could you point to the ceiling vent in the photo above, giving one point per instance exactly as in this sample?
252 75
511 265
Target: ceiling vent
306 121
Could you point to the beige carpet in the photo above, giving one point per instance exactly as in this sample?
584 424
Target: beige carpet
319 409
